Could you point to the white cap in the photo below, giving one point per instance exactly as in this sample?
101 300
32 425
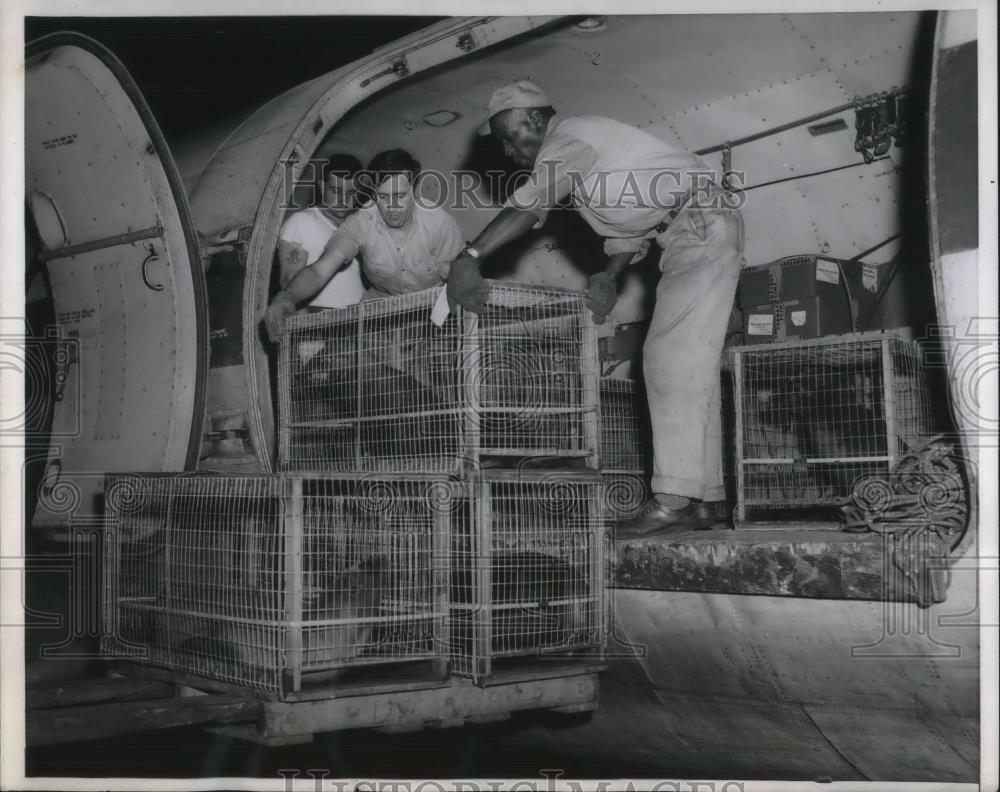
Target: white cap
523 94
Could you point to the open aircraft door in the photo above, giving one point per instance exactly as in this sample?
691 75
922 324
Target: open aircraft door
125 275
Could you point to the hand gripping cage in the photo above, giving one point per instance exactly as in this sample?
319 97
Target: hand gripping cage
271 582
813 418
379 387
527 575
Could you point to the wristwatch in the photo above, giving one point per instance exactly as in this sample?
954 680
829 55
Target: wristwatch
469 250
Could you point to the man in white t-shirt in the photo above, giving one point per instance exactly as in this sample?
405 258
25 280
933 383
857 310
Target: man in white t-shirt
305 234
404 246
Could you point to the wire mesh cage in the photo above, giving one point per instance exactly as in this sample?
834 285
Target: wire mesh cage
625 433
626 449
625 494
527 569
273 582
814 417
379 387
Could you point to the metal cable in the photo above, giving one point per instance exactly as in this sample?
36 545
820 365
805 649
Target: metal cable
806 175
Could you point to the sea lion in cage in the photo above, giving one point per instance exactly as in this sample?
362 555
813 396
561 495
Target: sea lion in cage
405 371
539 602
391 389
245 642
826 413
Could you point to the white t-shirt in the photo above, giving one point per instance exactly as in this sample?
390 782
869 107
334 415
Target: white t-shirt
312 229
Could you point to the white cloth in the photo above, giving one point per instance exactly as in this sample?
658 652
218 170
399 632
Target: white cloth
312 229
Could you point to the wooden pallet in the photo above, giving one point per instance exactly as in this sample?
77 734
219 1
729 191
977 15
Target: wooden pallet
144 699
99 708
558 687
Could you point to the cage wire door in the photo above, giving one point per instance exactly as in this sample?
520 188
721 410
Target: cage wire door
266 582
379 387
813 418
528 568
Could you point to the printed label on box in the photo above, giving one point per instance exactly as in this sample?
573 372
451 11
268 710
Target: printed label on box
760 324
869 277
798 318
827 271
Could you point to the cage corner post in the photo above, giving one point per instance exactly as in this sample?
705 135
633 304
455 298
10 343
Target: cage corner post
600 570
284 398
741 508
358 368
589 372
292 525
441 566
472 386
482 640
889 397
168 573
111 563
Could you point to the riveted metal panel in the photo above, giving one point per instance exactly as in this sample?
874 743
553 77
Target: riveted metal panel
843 653
757 109
912 747
126 278
684 61
841 40
879 72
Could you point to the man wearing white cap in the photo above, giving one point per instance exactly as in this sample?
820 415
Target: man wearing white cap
631 187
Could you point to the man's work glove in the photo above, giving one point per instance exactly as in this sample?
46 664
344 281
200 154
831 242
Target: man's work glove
282 306
466 286
602 294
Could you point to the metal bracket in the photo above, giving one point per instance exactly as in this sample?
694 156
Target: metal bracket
400 68
101 244
727 165
65 356
878 120
228 434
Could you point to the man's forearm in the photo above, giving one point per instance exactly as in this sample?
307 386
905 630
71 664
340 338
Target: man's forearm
310 280
292 259
617 262
305 285
505 227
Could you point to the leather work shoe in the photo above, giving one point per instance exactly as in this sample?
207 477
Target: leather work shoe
705 515
656 518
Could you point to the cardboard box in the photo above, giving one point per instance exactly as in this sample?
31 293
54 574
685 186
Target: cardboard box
794 278
755 287
811 317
